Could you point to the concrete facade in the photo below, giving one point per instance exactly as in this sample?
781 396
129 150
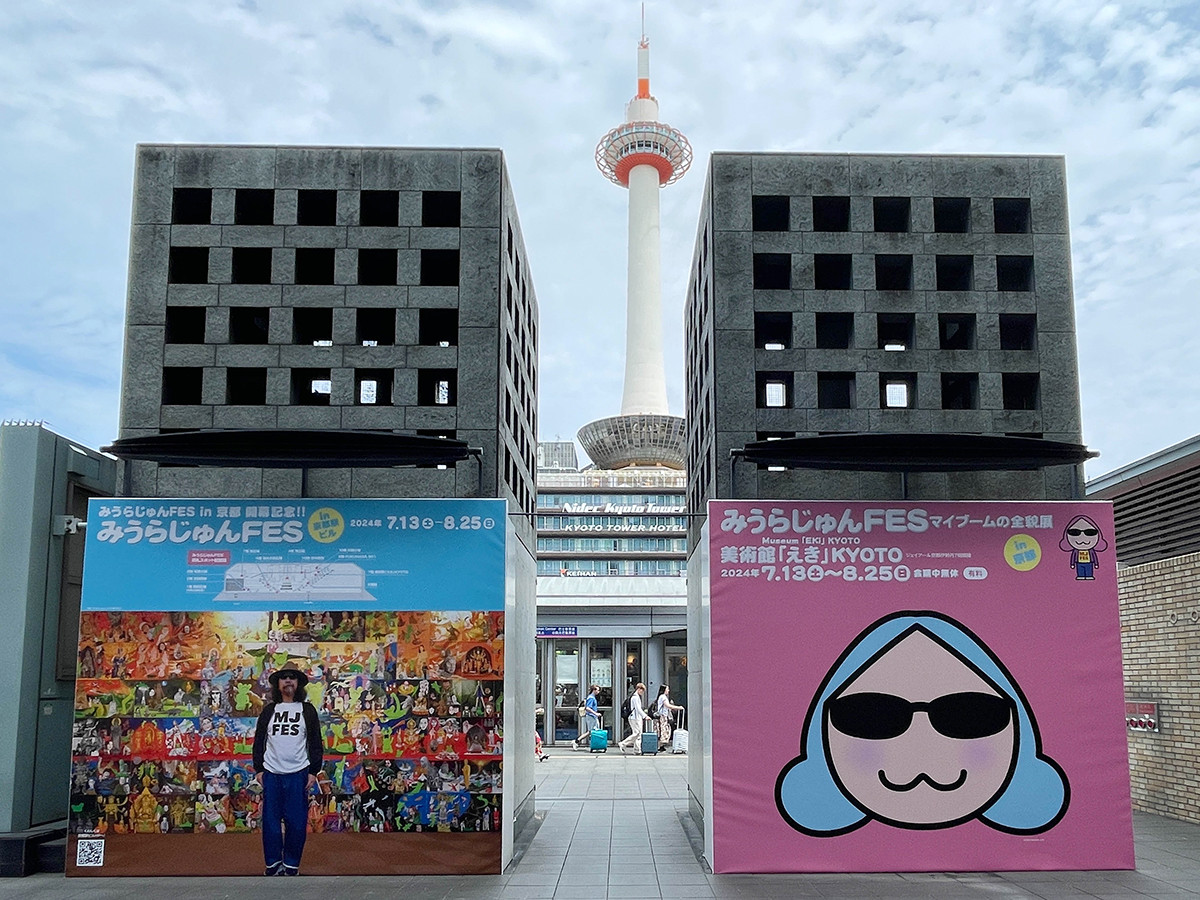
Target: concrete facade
393 280
822 282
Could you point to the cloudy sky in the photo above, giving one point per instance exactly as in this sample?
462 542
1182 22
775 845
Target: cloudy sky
1112 86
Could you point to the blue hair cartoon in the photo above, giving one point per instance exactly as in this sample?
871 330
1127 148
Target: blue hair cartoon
919 725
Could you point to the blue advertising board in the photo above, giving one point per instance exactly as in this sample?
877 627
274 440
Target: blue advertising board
322 554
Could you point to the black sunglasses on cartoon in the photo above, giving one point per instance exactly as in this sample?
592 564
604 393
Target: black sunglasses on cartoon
878 717
1076 532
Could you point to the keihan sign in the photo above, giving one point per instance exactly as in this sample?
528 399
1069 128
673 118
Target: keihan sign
947 692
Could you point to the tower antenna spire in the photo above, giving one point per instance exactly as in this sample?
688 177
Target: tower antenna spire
643 23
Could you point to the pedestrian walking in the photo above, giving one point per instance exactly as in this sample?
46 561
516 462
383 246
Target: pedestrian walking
663 709
637 717
590 719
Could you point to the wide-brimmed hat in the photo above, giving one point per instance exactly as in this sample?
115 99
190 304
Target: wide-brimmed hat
301 678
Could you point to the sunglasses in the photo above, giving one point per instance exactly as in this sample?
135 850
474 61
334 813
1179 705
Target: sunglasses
1076 532
877 717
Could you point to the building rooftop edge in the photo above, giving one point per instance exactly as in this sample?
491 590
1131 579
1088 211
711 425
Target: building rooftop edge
314 146
1145 465
880 154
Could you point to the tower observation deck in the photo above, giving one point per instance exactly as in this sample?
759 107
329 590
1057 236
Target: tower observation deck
643 155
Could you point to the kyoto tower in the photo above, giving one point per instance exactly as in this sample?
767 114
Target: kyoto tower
642 155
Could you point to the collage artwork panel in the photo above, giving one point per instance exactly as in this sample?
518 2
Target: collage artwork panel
410 705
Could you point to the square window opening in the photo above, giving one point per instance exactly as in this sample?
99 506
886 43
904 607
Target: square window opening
373 387
1018 331
311 387
955 273
952 215
1011 215
254 206
835 390
191 206
377 266
1021 390
379 209
832 271
1014 273
831 213
312 326
835 331
249 324
185 325
771 213
956 331
246 386
892 213
439 268
438 328
893 272
251 265
314 265
375 327
895 330
773 390
960 390
188 265
437 387
772 271
182 385
316 207
898 390
441 209
772 330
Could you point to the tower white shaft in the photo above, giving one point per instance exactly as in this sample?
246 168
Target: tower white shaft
645 379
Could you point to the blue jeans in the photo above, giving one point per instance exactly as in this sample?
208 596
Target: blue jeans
285 803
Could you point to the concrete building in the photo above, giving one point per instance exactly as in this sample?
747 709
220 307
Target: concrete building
45 483
1156 505
373 289
322 303
879 294
886 307
612 601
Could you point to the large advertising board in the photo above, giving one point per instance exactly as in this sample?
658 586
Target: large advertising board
394 610
916 687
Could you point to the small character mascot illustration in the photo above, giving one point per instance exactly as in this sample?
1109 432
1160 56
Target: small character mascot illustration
1083 540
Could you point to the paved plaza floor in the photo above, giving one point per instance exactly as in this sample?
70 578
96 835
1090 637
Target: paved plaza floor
613 826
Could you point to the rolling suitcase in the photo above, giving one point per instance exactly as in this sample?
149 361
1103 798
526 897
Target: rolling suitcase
598 743
679 738
649 743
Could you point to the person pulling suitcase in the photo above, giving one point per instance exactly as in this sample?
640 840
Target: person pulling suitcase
590 720
637 718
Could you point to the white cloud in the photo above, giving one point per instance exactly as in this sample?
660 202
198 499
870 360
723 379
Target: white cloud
1111 86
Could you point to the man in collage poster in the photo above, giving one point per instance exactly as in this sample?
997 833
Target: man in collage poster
409 705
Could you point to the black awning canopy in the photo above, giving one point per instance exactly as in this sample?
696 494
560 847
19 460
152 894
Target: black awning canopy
286 448
914 452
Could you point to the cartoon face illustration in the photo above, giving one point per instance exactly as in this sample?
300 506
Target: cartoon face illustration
919 738
919 725
1082 533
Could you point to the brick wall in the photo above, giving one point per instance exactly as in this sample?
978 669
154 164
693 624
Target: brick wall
1160 643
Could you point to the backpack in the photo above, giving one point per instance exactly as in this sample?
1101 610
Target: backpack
626 709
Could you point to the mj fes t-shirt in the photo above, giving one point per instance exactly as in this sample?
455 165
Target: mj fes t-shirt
287 740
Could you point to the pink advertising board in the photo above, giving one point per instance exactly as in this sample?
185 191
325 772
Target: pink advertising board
916 687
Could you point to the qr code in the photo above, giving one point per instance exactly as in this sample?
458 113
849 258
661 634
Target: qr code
89 852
